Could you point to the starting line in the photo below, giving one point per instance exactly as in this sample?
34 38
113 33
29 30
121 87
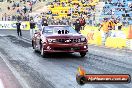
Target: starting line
1 84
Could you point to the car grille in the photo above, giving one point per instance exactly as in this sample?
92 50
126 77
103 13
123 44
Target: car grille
68 40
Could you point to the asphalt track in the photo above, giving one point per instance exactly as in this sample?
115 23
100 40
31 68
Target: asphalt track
59 70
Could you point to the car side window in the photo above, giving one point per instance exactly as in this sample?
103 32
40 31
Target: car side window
43 30
47 30
66 31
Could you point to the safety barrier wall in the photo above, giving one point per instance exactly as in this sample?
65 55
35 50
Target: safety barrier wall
117 39
92 34
11 25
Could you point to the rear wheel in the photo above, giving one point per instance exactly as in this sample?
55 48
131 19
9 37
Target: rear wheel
82 54
32 44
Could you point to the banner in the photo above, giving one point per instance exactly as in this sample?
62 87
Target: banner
12 25
93 36
7 24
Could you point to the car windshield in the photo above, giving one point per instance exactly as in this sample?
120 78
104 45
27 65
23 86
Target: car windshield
58 30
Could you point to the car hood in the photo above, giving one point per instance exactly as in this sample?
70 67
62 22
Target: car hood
56 36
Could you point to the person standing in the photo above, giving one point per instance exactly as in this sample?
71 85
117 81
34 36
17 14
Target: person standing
32 28
18 24
118 25
30 4
111 25
45 23
104 30
77 25
5 16
25 9
82 22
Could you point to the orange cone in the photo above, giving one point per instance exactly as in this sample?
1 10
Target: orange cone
130 32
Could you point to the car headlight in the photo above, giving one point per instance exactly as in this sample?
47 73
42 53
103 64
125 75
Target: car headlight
83 39
51 40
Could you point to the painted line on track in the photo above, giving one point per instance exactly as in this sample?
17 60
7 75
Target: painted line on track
27 40
1 84
14 72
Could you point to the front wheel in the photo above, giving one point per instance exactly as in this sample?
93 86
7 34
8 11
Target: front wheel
82 54
43 54
34 47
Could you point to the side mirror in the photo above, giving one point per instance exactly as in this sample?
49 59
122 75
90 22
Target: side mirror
36 33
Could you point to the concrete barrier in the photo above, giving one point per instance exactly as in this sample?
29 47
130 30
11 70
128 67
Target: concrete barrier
117 38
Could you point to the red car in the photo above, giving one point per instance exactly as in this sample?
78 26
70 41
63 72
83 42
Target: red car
58 38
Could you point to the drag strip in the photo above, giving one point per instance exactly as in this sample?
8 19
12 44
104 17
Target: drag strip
1 84
59 70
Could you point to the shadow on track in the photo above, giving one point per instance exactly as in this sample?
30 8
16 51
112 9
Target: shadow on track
18 41
62 55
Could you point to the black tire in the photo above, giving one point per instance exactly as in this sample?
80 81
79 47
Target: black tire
34 47
43 54
82 54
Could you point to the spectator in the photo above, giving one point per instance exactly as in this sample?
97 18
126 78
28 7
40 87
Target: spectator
31 9
9 18
118 25
5 15
18 24
82 22
104 30
77 25
32 28
8 8
19 18
45 23
18 11
111 25
25 9
13 18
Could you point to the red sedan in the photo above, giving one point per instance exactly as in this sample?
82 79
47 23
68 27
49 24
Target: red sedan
58 38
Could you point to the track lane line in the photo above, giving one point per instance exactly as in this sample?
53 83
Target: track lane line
14 72
1 84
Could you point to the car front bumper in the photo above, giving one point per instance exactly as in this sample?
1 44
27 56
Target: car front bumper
71 48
